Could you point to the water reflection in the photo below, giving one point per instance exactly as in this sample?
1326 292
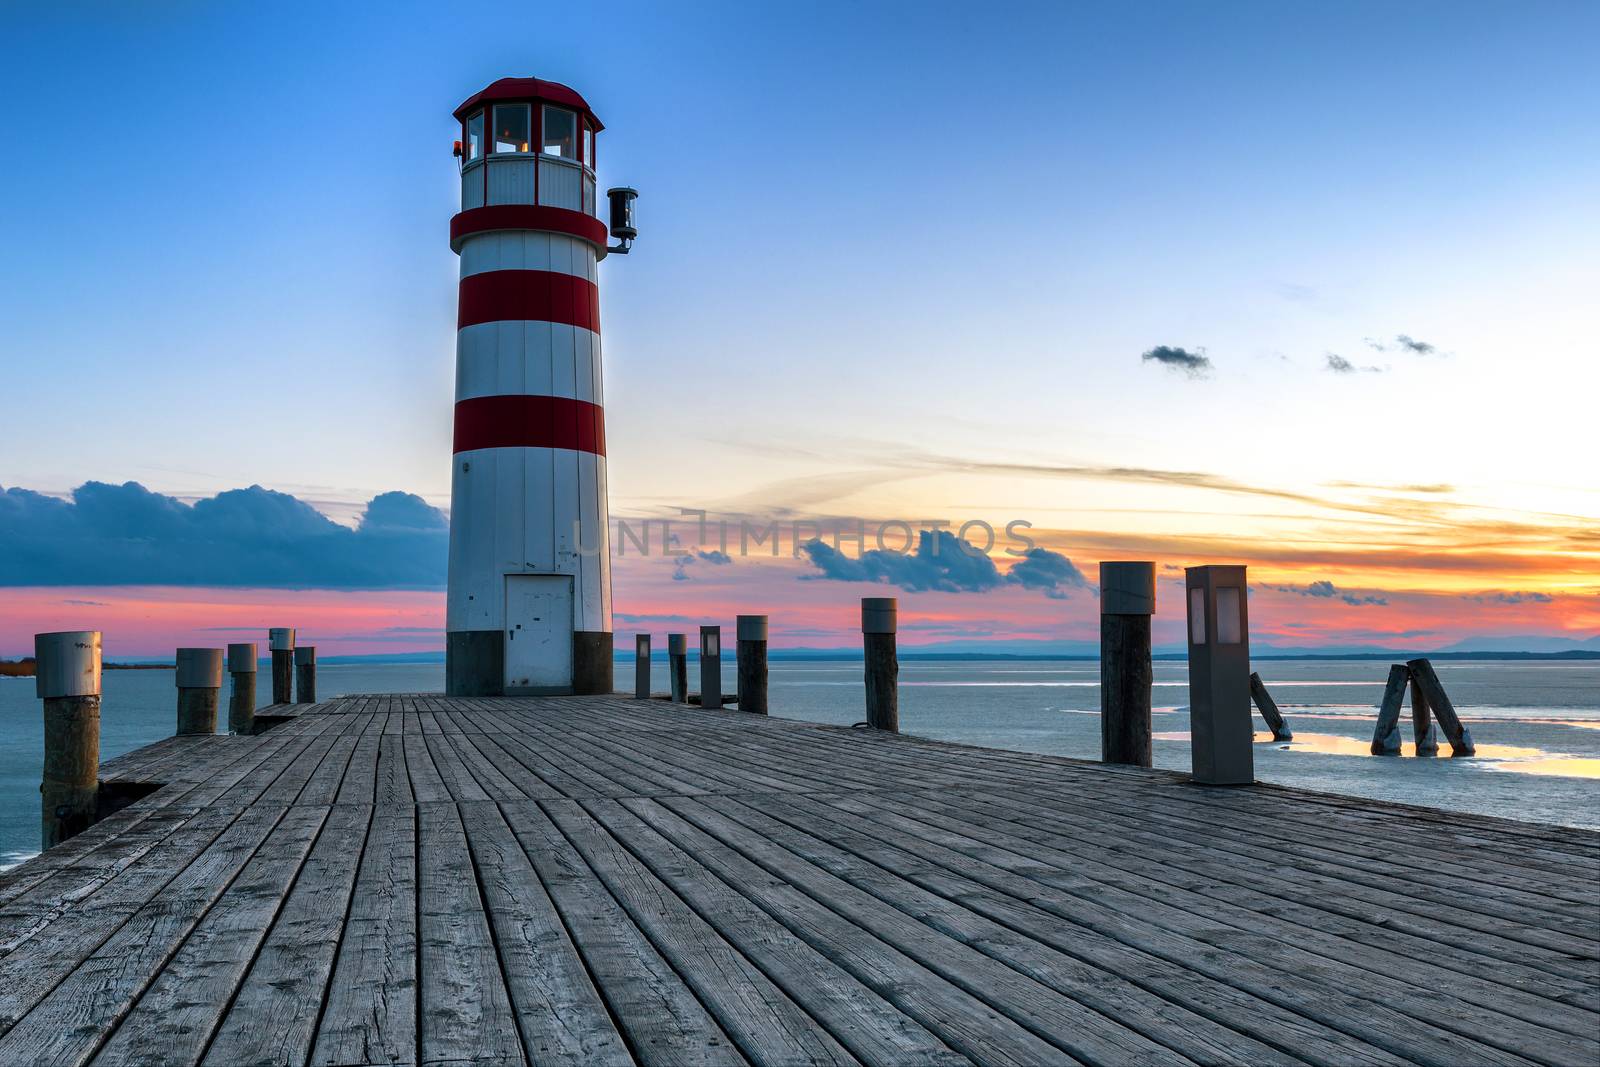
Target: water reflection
1514 758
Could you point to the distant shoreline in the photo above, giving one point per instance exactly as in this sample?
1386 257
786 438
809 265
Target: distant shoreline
24 668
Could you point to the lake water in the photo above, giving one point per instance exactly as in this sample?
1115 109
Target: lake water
1536 725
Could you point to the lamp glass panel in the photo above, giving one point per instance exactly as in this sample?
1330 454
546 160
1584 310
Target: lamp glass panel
560 133
1197 616
709 644
475 137
511 122
1229 615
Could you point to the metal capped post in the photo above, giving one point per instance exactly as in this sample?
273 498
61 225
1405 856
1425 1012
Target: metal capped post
1221 731
641 666
678 667
751 651
305 674
242 697
280 639
67 679
1127 600
879 620
711 667
199 682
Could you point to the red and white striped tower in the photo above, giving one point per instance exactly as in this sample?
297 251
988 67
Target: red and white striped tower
529 608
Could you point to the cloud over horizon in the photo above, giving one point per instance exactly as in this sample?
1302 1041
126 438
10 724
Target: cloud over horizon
1326 590
128 535
1195 364
942 562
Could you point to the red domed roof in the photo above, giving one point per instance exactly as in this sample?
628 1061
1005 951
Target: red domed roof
529 89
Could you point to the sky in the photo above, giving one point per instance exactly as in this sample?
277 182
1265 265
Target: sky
1304 287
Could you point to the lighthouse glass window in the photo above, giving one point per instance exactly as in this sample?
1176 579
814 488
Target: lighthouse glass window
511 123
560 133
475 137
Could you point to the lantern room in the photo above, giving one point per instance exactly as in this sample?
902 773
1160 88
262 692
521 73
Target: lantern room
528 141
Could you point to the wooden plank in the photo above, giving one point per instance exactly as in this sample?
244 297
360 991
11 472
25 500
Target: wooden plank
1357 967
960 1019
68 1026
1315 904
371 1011
1281 974
465 1008
72 930
560 1013
849 849
427 785
1077 1030
766 1025
176 1016
1005 898
290 974
663 1021
393 782
870 1027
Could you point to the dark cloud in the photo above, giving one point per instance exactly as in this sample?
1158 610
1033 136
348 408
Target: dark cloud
680 570
127 535
1402 343
1050 572
1339 365
1326 590
944 563
1518 597
941 562
1195 364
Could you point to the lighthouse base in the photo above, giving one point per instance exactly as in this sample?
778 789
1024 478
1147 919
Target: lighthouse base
591 663
474 663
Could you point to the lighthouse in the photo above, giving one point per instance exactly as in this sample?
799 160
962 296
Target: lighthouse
529 602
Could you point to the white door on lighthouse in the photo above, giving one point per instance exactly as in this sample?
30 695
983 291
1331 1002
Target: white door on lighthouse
538 633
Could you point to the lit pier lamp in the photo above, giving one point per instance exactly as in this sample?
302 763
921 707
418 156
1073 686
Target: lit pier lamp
1221 730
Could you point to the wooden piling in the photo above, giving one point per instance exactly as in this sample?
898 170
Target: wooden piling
305 674
678 668
751 651
1439 703
641 666
280 640
1386 735
242 696
1269 709
67 679
879 620
1127 600
711 666
1422 729
199 681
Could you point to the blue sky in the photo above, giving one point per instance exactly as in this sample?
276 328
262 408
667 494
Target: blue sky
895 258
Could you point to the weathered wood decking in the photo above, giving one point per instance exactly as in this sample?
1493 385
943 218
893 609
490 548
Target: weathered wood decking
420 880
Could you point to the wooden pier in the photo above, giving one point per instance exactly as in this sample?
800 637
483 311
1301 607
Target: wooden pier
411 879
